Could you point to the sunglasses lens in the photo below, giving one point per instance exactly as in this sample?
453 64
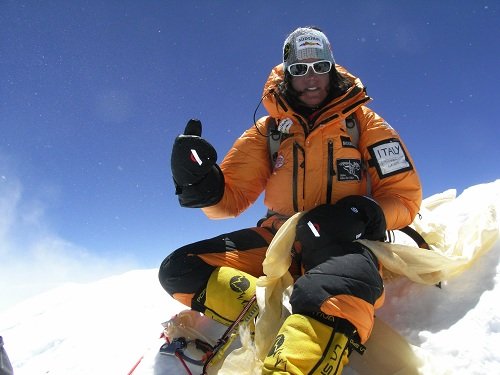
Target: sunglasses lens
322 67
298 69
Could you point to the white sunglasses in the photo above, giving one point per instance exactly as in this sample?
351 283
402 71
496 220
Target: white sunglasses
301 69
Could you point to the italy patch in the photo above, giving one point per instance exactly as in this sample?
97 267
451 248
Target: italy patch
389 157
349 170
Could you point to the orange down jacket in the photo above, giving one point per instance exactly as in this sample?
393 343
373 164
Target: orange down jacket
317 163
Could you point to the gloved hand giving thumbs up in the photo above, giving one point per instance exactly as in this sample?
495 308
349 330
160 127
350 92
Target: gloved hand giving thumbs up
198 179
192 156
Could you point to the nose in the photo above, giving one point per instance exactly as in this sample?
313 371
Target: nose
310 72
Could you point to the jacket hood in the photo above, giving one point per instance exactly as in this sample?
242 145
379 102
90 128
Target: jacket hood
277 106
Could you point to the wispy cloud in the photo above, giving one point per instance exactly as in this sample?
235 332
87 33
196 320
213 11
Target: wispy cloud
33 257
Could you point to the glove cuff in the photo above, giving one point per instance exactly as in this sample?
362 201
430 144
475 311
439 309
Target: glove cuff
206 192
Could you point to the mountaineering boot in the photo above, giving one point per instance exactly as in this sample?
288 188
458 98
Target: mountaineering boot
227 293
229 299
307 346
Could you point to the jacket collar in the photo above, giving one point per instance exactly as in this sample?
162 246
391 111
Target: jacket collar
342 106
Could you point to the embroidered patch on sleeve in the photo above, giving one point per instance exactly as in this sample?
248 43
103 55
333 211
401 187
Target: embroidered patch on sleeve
349 170
389 158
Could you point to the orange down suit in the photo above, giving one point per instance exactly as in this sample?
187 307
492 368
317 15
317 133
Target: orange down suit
306 172
317 163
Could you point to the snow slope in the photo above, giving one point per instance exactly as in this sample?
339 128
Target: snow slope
104 327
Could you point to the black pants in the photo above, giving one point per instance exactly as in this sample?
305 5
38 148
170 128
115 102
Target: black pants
347 272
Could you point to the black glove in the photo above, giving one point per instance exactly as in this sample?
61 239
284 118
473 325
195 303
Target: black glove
351 218
198 179
329 230
192 156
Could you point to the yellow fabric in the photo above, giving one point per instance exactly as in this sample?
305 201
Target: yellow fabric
387 353
273 292
459 230
306 346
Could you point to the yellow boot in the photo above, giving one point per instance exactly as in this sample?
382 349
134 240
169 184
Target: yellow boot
226 295
305 346
227 292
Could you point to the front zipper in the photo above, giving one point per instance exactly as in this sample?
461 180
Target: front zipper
330 173
296 166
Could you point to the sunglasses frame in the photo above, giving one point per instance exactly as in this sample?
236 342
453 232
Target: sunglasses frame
310 65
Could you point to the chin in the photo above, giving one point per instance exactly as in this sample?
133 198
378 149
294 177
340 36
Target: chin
314 104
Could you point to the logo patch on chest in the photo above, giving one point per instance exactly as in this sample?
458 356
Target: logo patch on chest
346 142
349 170
280 161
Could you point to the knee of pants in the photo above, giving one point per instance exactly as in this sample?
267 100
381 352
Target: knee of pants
352 274
183 272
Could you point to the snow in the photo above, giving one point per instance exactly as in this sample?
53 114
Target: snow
104 327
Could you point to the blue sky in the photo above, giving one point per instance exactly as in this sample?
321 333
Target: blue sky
93 93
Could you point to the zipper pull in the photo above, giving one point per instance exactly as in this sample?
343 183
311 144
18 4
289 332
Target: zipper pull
331 170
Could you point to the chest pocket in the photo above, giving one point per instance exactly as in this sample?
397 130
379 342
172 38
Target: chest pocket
344 176
346 161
